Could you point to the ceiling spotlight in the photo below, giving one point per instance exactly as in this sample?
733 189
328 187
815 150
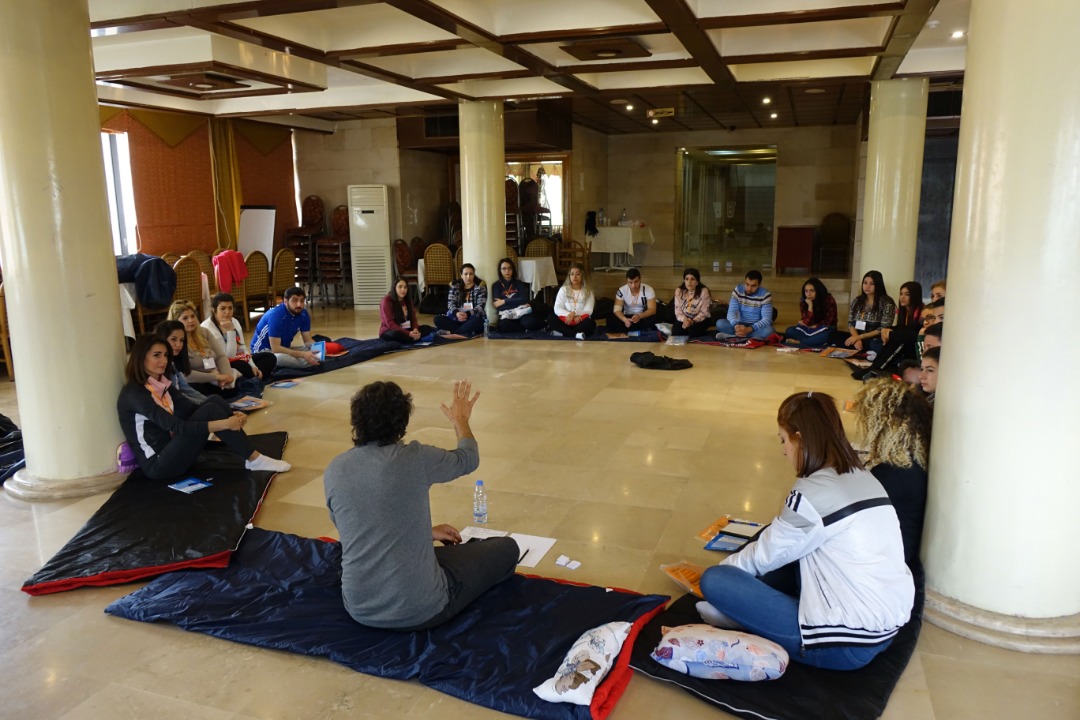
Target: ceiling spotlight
655 121
617 101
815 91
773 116
629 108
957 34
766 100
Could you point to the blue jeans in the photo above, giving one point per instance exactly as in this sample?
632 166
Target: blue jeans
808 336
724 327
765 611
473 326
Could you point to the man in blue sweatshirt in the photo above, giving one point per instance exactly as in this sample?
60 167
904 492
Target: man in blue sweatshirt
749 313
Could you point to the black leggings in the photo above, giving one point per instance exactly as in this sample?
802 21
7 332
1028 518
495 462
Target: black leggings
183 450
525 323
615 325
400 336
586 327
265 361
698 329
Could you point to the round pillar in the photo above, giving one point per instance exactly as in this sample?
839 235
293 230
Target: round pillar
894 159
1001 518
59 272
483 189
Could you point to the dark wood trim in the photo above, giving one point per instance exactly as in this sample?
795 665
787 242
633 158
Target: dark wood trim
795 56
902 35
143 106
134 23
794 108
853 12
628 66
401 80
269 8
386 107
677 16
210 66
494 75
641 102
549 36
400 49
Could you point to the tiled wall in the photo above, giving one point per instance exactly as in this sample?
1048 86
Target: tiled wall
362 152
813 176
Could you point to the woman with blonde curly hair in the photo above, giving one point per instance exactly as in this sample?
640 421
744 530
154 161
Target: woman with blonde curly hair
894 421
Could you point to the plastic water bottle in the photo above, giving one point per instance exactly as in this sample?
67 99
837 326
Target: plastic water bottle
623 217
479 504
600 217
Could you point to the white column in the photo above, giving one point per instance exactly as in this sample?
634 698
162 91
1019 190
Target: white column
483 188
1001 529
59 272
894 161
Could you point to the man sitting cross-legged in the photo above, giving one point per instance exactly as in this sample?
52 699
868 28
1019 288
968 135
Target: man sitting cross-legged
635 306
749 314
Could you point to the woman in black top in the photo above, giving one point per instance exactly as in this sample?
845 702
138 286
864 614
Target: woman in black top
900 340
511 297
166 430
894 421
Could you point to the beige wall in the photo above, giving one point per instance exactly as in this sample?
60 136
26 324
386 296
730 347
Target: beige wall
589 166
425 193
362 152
813 176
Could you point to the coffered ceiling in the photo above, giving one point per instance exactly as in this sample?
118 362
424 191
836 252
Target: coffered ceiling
712 63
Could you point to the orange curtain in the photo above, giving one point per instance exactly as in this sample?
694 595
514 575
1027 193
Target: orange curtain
227 192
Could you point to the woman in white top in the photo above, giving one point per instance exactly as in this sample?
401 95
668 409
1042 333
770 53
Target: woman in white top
573 306
210 371
224 325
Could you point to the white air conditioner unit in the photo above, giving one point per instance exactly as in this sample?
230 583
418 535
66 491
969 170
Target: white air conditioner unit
369 239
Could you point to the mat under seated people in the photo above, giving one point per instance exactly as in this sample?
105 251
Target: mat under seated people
147 528
284 592
358 351
647 336
803 692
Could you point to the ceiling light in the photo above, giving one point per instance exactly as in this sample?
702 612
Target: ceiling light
815 91
773 116
606 54
766 100
655 121
202 86
629 108
618 101
957 34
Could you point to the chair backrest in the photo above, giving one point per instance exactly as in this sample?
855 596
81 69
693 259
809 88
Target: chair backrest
571 251
539 247
188 282
511 252
339 222
312 211
284 270
458 261
403 260
206 265
219 251
835 231
258 279
438 265
170 258
417 247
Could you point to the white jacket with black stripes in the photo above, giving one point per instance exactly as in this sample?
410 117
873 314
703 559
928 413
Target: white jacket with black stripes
856 588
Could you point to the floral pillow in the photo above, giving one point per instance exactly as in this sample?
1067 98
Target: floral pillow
710 653
588 661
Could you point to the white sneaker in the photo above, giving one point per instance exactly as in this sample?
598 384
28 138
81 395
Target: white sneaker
580 336
556 333
267 463
714 617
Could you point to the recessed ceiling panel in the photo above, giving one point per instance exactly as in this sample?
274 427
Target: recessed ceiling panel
661 47
447 63
523 87
802 37
646 78
803 69
933 60
734 8
348 28
104 10
513 17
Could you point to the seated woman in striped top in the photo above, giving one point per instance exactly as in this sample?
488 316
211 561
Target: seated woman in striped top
692 301
466 305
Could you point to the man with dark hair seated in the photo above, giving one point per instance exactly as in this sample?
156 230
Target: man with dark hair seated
635 306
391 575
750 312
278 327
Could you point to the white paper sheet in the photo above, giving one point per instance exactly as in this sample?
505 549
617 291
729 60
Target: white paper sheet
533 548
474 533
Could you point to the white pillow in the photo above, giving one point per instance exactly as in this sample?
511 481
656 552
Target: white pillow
588 661
711 653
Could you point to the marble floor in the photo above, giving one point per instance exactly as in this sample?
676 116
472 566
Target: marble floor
623 466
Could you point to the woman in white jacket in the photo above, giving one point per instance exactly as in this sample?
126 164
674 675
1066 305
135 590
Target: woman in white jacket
573 306
224 325
852 591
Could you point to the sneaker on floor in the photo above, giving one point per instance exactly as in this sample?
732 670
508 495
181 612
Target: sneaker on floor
714 617
267 463
556 333
580 336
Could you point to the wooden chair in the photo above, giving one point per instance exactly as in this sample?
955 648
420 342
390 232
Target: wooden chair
284 273
206 265
334 258
5 337
571 251
540 247
511 252
438 266
417 247
257 285
188 283
170 258
404 264
458 262
302 239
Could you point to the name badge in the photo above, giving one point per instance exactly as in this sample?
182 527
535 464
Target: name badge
860 325
406 325
209 364
467 307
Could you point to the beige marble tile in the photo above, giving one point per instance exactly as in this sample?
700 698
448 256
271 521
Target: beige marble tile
125 703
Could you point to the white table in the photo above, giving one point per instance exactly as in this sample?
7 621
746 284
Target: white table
615 240
537 272
420 276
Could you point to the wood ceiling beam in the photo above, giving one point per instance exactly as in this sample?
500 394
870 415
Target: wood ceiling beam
902 35
852 12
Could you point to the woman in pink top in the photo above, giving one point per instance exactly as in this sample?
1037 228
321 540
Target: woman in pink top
397 316
692 301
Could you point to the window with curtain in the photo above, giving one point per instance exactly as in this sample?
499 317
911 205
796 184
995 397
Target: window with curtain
118 185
